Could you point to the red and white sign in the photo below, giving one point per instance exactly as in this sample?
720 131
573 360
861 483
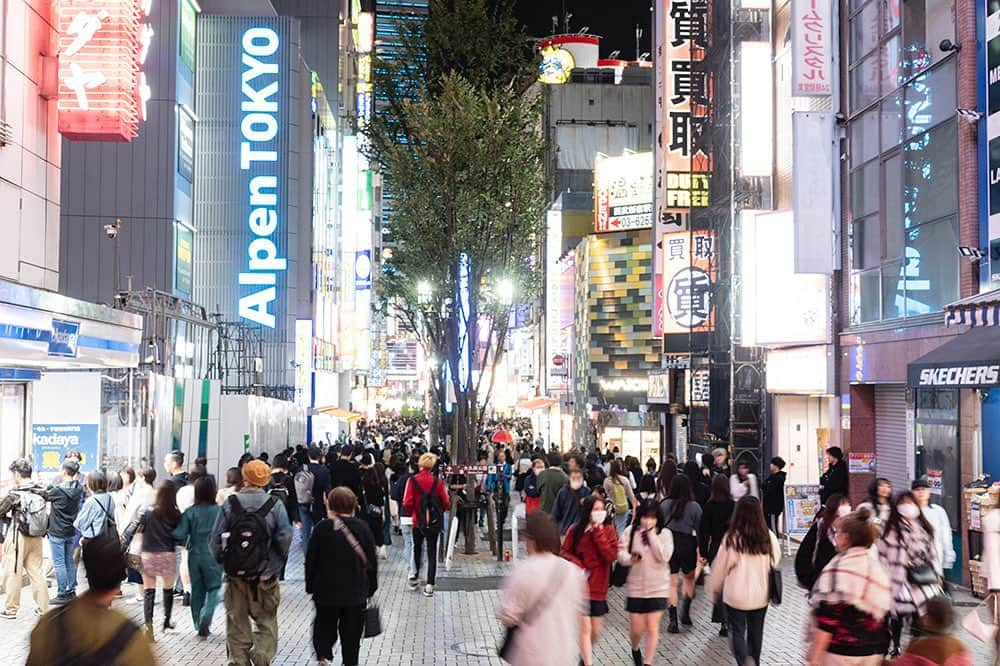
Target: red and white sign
812 67
103 45
623 192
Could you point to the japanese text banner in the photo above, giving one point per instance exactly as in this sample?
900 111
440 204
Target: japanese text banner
811 49
688 282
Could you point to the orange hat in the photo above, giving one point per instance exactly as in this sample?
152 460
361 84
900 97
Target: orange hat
256 473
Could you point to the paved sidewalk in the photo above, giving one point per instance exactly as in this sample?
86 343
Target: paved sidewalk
456 627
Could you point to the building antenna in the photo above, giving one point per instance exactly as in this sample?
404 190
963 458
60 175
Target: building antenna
638 34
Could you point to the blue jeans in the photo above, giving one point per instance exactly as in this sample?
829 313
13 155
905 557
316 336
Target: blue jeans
62 561
408 549
746 633
306 517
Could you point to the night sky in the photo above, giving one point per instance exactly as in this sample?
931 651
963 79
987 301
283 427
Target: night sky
614 21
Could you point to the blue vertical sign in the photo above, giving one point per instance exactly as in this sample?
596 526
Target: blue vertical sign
465 344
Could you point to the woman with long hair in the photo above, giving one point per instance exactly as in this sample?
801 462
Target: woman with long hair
372 500
159 548
741 573
714 524
819 545
699 488
683 517
668 470
592 544
646 546
908 553
234 480
619 492
205 574
879 501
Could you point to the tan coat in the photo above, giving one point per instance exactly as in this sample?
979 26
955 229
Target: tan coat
742 578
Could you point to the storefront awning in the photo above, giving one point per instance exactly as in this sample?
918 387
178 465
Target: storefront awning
536 403
979 310
969 360
337 413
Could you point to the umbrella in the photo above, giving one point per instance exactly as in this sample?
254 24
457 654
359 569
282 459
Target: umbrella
502 437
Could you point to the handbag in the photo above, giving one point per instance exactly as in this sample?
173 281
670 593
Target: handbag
921 574
619 571
503 650
983 629
774 586
373 621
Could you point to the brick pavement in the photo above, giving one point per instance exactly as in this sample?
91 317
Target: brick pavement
455 628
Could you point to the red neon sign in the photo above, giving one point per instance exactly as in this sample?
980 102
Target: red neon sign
102 88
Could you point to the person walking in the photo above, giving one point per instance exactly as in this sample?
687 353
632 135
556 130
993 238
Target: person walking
699 487
397 492
646 547
143 495
938 519
619 491
851 599
173 462
937 645
592 545
668 470
64 506
683 518
159 559
715 518
185 500
426 499
87 626
566 511
24 510
344 471
834 479
773 495
550 481
879 502
312 483
252 565
194 531
372 501
908 552
341 576
743 482
234 481
98 511
819 544
530 491
741 573
542 599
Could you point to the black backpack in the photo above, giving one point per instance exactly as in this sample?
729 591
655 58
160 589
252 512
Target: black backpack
430 515
249 546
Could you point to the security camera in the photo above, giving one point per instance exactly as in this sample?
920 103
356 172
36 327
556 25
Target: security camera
111 231
947 46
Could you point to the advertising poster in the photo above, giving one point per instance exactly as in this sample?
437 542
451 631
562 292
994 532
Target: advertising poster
688 275
990 139
183 259
812 57
861 463
936 482
623 192
50 443
801 506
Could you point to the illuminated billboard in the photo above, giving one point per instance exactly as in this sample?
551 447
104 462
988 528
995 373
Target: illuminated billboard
623 192
688 282
556 65
103 45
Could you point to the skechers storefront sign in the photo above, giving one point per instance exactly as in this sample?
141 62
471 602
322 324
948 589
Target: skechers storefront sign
259 157
969 376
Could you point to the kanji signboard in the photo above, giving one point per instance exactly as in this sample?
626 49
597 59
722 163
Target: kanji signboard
811 54
687 95
623 192
688 279
102 88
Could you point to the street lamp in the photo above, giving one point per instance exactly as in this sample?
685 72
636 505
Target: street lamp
505 291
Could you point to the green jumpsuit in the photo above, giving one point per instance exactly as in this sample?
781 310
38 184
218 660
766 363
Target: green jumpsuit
194 531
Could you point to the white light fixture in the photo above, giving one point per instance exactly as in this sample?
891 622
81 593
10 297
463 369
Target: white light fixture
756 109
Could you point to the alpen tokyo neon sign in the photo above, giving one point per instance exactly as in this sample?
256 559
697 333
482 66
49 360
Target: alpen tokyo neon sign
103 89
259 156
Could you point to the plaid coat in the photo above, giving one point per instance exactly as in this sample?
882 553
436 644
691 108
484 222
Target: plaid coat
898 550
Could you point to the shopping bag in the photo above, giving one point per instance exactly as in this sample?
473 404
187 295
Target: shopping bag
980 621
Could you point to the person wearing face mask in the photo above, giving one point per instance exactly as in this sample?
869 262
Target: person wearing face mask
819 545
566 510
908 552
938 518
592 545
531 495
646 546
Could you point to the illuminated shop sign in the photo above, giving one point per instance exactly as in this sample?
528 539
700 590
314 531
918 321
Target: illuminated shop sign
259 156
103 46
623 192
686 100
688 278
989 140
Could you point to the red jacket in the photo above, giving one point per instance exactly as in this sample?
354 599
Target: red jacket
411 498
597 549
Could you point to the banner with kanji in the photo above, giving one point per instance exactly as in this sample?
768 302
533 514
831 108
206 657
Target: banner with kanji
688 281
812 61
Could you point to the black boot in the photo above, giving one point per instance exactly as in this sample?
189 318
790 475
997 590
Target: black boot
203 627
186 601
686 611
637 657
724 630
148 601
672 628
168 610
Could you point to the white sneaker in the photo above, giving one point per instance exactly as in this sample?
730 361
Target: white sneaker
413 583
382 553
428 590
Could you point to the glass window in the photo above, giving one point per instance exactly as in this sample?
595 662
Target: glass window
931 271
892 180
893 294
889 57
892 121
864 83
864 138
930 98
937 404
890 15
864 31
930 167
867 307
937 452
864 190
867 242
925 24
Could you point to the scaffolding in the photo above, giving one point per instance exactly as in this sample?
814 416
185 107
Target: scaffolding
176 332
238 358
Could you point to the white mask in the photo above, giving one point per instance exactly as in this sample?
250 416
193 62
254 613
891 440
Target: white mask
576 485
843 509
597 517
909 511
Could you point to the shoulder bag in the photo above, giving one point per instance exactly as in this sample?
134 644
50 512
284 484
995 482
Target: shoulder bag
919 573
774 583
503 651
372 619
619 571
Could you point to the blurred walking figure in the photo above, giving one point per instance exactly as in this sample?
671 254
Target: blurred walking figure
646 547
715 520
908 552
879 502
592 544
683 518
194 532
850 599
741 574
819 544
773 495
542 600
937 646
938 519
619 492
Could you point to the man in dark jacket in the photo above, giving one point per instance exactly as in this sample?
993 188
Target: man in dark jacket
566 511
773 494
64 498
344 472
310 514
834 479
173 462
